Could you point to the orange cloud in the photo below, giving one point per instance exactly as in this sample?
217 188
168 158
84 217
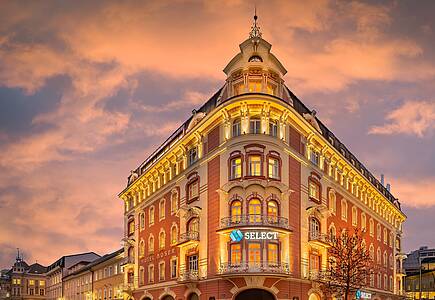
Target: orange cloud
414 192
413 118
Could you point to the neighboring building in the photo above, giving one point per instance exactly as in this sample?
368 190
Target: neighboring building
419 267
59 269
5 285
100 279
240 202
27 282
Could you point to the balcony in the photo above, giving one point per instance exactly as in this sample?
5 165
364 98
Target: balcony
188 238
255 220
188 276
253 268
319 239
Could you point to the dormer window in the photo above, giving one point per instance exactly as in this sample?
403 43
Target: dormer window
255 58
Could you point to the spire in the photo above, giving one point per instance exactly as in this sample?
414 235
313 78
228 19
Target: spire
255 30
18 254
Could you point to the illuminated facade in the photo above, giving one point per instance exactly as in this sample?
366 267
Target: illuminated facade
241 200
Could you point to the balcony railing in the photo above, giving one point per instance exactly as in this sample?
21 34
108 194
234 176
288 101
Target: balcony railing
255 220
320 238
189 236
188 276
255 267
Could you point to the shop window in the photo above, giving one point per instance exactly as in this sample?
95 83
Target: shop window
236 254
254 209
236 128
254 165
236 211
272 253
273 128
236 168
273 168
255 125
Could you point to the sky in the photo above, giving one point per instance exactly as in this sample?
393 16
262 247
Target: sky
89 88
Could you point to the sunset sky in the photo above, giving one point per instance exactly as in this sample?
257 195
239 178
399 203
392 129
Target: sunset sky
89 88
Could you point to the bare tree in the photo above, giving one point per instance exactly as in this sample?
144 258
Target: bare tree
349 264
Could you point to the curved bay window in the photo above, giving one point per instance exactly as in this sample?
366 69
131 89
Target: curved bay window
255 125
314 228
236 128
236 211
272 211
254 210
273 253
193 225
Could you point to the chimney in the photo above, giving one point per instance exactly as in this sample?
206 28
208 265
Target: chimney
382 179
388 187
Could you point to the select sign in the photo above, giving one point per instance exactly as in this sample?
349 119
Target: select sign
237 235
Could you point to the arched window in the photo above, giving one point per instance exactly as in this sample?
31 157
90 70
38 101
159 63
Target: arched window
391 261
332 202
236 128
174 202
151 215
372 252
273 128
372 227
363 222
385 259
332 232
142 248
385 236
354 216
174 234
255 125
378 232
314 228
363 245
162 239
142 221
193 225
130 227
141 276
236 211
254 209
151 243
378 256
344 210
162 209
272 211
391 239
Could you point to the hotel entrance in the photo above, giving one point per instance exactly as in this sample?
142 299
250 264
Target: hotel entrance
255 294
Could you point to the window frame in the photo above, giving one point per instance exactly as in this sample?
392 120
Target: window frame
193 179
234 156
253 128
273 155
236 127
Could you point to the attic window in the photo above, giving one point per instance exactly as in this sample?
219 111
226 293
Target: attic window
255 58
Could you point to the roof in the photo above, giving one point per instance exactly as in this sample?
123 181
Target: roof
301 108
61 261
96 262
37 269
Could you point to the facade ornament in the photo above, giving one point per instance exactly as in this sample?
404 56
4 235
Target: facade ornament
255 30
196 118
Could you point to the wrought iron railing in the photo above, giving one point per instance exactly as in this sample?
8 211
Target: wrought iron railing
188 236
255 267
321 237
255 220
188 275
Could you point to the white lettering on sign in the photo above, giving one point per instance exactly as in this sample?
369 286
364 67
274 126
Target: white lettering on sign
261 235
365 295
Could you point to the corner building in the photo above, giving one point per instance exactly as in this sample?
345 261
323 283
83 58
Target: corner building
240 202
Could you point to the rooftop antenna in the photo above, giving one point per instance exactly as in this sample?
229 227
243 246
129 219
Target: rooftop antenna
255 30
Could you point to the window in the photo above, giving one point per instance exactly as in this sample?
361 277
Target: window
332 202
378 256
236 128
161 271
354 216
315 157
41 282
314 262
273 168
193 225
31 282
162 209
131 227
385 259
314 190
363 222
254 254
255 126
174 202
141 276
193 190
151 215
385 236
272 211
41 292
272 253
173 267
344 210
236 168
372 252
162 237
391 283
236 254
151 244
273 128
332 232
192 156
142 248
254 208
314 228
391 261
193 263
142 221
151 273
391 239
255 86
174 234
254 167
372 279
236 211
378 232
385 282
372 227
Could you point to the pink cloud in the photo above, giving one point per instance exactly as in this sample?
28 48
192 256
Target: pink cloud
411 118
416 193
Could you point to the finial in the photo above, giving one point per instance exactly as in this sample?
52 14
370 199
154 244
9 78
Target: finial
255 30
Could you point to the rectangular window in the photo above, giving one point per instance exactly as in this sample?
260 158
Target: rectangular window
272 253
150 273
236 129
236 168
173 268
193 263
254 165
236 254
31 282
151 215
273 168
315 157
193 190
31 291
131 227
314 262
273 129
162 210
314 190
161 271
254 254
255 126
192 156
41 292
255 86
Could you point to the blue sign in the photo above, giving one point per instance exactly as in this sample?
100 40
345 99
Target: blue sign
236 235
358 294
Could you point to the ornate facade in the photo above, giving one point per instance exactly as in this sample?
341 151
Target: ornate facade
241 200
